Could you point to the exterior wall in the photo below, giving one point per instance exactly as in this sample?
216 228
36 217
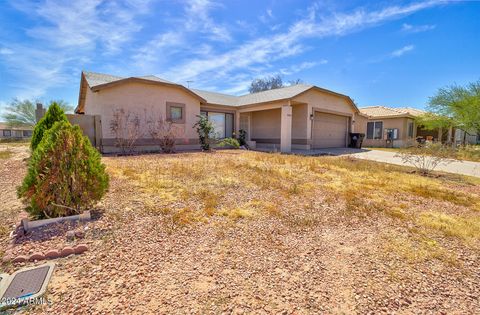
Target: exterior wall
148 102
324 102
90 125
265 126
15 134
470 138
400 123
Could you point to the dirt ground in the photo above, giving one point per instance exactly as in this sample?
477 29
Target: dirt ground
247 232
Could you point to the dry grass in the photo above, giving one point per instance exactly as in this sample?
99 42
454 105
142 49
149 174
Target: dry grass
191 188
5 154
317 230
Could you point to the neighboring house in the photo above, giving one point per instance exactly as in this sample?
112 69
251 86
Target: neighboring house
15 133
298 116
388 127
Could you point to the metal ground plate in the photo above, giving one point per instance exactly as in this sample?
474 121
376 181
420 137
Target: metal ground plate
25 284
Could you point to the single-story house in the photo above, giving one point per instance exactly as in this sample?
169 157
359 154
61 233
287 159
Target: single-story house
388 127
295 117
396 127
15 133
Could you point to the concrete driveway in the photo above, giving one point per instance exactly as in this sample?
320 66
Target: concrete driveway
458 167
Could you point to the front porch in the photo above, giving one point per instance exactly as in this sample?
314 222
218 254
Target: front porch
276 127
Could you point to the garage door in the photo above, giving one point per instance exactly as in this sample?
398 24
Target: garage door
329 130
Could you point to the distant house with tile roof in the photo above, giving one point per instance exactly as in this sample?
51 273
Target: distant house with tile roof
389 126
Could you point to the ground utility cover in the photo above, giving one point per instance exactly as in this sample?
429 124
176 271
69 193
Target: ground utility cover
24 285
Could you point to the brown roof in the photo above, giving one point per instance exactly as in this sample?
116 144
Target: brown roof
383 111
98 81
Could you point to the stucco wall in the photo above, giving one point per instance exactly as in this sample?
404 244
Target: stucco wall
389 123
146 100
300 119
265 124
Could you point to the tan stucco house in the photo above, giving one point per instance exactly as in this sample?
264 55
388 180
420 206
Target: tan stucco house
295 117
387 126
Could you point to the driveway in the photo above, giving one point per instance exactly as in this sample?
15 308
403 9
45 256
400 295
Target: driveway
458 167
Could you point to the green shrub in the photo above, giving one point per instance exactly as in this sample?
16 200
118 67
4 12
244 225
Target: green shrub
205 130
65 174
54 114
229 142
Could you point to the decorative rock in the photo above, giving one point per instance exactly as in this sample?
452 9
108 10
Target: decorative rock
70 236
20 231
79 234
80 248
52 254
7 258
67 251
20 259
36 256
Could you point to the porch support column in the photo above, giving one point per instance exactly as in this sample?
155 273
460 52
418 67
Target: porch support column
237 124
286 129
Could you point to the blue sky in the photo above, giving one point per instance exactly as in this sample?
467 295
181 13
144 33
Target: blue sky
393 53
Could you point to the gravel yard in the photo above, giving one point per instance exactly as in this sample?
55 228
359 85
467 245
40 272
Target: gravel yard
250 232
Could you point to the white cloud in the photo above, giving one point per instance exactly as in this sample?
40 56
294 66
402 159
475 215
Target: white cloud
197 18
400 52
84 24
302 66
269 49
6 51
66 35
408 28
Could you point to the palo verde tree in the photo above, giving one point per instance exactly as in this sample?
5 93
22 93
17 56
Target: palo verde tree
22 112
65 174
457 106
54 114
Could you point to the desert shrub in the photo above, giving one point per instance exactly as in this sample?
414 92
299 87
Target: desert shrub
65 174
229 142
426 157
165 133
469 152
126 129
54 113
205 130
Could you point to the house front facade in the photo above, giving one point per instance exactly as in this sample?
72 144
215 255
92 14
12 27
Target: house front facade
388 127
294 117
8 132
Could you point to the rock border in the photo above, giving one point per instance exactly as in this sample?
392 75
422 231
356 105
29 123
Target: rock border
50 254
22 227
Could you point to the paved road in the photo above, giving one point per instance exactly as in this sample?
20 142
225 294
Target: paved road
457 167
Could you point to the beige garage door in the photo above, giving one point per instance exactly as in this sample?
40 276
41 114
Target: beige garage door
329 130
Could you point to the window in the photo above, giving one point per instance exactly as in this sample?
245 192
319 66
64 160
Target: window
392 133
7 133
222 124
17 133
375 130
176 112
410 129
27 133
